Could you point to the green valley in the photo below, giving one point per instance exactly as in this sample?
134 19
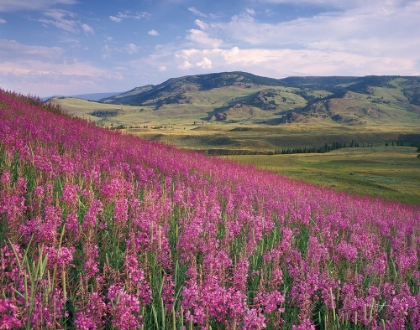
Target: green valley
274 123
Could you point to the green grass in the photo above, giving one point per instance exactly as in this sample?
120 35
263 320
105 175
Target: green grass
266 139
392 173
203 105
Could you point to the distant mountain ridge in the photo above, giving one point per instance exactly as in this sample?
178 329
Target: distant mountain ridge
238 96
194 83
88 97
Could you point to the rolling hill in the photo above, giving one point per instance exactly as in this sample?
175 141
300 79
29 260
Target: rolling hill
240 97
102 230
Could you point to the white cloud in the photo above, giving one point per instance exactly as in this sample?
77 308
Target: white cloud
13 50
61 19
41 68
201 24
205 63
185 65
65 20
131 49
115 19
45 71
348 38
16 5
141 15
46 79
196 12
2 21
202 38
88 29
199 57
128 14
285 62
387 28
250 11
330 3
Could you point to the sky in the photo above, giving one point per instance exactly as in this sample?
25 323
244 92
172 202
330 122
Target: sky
70 47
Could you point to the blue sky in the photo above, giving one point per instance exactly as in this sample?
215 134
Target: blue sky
67 47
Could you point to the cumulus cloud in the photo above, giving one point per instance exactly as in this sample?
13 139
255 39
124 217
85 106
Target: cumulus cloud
205 63
162 68
377 28
285 62
185 65
153 33
2 21
194 58
16 5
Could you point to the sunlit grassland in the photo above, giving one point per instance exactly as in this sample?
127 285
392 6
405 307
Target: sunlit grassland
391 173
266 139
386 172
83 108
201 106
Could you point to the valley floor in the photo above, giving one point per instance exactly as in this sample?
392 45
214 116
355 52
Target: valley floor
386 172
391 172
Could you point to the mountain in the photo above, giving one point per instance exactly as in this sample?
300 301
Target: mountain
250 99
173 90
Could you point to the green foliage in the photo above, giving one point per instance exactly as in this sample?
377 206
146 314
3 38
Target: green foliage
326 148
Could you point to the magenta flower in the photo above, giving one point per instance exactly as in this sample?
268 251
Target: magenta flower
9 313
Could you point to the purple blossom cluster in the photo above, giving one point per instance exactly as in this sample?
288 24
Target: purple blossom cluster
103 230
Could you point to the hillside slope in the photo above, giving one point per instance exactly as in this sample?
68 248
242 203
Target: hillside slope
245 98
102 230
176 87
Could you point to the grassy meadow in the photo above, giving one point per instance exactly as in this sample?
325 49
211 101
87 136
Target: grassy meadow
378 171
375 170
386 172
201 107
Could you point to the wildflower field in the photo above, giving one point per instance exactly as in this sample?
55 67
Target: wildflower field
100 230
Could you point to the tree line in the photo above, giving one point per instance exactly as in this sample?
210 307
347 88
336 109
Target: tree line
325 148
